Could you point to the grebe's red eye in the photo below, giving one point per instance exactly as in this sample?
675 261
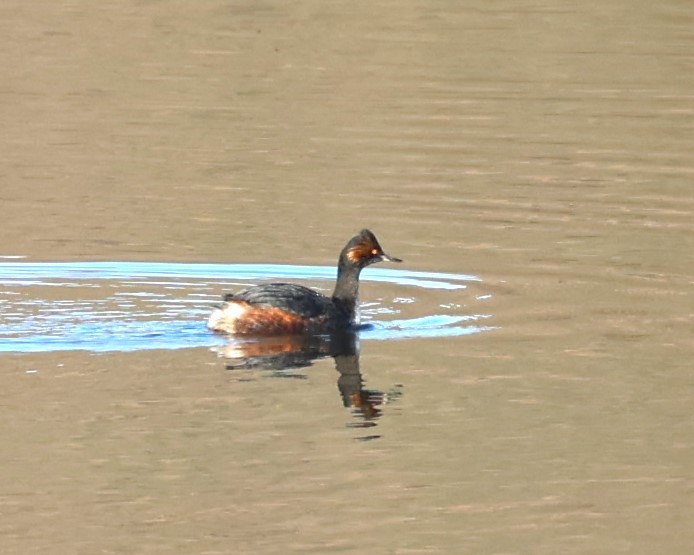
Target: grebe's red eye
374 251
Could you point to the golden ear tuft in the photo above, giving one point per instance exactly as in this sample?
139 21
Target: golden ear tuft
353 255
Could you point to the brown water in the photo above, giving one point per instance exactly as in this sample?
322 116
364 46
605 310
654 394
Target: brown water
545 147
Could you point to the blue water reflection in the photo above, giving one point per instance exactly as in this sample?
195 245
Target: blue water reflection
129 306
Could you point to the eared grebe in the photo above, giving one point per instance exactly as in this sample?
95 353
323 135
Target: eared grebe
287 309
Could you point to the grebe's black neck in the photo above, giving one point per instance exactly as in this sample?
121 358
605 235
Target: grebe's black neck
346 294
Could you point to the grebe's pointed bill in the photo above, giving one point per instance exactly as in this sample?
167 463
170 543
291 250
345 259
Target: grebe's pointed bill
387 258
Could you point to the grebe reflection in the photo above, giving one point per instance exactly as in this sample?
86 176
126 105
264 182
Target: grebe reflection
282 355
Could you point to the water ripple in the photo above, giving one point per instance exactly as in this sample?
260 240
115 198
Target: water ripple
129 306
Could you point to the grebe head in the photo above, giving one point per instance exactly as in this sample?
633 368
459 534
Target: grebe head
363 250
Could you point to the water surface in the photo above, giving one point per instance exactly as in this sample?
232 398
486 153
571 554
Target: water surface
544 148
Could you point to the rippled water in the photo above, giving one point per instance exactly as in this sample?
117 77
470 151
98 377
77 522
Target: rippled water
543 146
129 306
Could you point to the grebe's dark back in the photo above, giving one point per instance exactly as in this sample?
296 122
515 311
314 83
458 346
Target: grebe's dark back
287 309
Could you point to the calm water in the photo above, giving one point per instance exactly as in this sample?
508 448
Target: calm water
524 384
